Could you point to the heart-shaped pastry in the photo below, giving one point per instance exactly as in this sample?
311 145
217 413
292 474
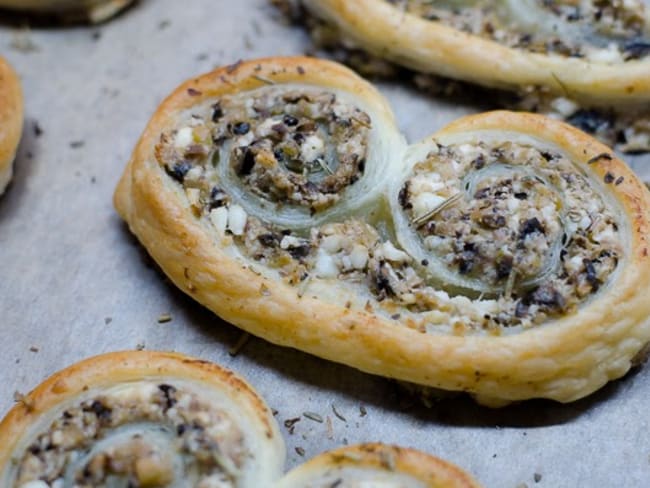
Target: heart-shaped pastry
506 256
11 121
594 52
154 419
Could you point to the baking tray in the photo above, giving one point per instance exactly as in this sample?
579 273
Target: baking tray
74 282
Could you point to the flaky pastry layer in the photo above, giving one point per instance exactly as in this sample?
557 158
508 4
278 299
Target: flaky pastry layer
431 46
11 121
344 302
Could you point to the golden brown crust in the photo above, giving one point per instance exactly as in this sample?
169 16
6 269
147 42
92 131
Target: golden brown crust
108 370
374 462
563 360
93 11
11 120
432 47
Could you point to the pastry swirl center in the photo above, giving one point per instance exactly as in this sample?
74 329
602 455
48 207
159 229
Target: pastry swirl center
141 434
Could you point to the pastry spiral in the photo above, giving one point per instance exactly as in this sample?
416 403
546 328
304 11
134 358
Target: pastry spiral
377 465
94 11
154 419
140 419
506 256
11 121
593 52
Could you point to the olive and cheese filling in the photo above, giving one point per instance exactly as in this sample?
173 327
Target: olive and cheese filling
290 148
512 223
141 434
608 31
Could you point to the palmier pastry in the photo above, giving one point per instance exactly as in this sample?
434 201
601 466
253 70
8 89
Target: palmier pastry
140 419
376 465
506 256
11 121
154 419
595 52
93 11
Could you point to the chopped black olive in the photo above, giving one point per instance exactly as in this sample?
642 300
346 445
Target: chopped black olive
178 171
521 195
466 258
218 198
247 163
299 138
504 266
168 392
299 251
589 120
100 410
531 226
609 177
241 128
381 280
619 180
290 120
521 309
636 48
180 429
403 197
217 112
592 277
548 296
268 240
479 162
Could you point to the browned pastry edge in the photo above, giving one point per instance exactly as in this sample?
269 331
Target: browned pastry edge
424 468
11 120
433 47
107 370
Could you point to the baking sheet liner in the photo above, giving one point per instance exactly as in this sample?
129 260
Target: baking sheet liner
74 282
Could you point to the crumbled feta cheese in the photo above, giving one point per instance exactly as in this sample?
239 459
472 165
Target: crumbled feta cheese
325 266
184 137
237 219
219 218
312 148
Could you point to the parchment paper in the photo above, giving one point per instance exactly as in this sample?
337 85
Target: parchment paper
74 282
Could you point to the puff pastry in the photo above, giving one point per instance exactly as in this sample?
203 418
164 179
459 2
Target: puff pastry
11 121
377 465
141 419
154 419
506 256
596 51
94 11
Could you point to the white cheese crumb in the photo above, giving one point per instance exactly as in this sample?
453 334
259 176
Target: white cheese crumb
184 137
245 140
325 265
312 148
265 128
237 219
564 106
331 244
359 257
391 253
425 202
219 218
194 174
